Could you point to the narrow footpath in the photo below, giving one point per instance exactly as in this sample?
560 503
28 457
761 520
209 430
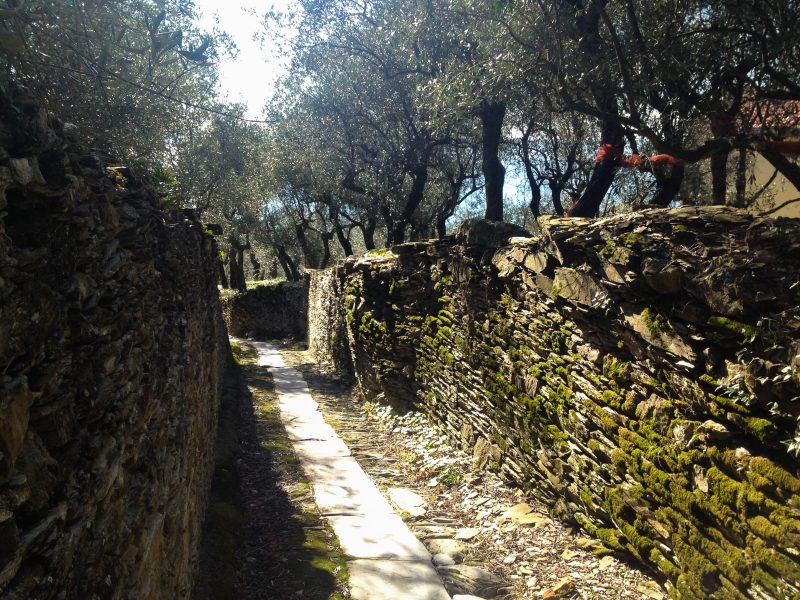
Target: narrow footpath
295 512
263 537
388 561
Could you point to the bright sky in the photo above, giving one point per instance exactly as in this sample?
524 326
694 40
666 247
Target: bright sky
250 78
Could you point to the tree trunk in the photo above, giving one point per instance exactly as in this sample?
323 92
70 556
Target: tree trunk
236 263
668 182
236 271
257 274
222 278
398 232
492 114
388 221
603 88
555 195
419 230
326 238
448 209
441 226
288 265
536 198
719 176
287 273
229 260
302 240
786 167
368 231
347 247
741 179
603 173
273 268
536 193
240 273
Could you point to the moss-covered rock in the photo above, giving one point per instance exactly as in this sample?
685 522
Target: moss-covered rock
627 406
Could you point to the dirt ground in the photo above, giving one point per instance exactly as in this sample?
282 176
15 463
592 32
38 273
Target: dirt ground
509 535
264 539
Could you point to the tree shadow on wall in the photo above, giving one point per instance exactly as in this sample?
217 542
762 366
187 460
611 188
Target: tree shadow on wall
263 538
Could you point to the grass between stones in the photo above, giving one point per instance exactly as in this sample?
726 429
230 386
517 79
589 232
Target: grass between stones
264 520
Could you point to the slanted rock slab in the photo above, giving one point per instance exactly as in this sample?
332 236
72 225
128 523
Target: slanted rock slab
453 548
443 560
562 589
408 501
470 580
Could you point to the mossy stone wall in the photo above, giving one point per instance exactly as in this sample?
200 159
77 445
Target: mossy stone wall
639 374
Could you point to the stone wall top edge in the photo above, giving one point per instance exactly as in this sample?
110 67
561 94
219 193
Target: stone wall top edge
556 229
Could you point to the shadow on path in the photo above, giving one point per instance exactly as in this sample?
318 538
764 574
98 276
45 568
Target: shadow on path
263 538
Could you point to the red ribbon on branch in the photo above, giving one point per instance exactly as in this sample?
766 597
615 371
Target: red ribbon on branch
636 161
609 152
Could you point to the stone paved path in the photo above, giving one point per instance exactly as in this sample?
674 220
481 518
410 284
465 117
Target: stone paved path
389 562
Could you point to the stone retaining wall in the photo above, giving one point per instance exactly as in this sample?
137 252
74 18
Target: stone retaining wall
639 374
270 311
327 324
112 348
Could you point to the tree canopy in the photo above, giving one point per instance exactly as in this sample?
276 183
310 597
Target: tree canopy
397 117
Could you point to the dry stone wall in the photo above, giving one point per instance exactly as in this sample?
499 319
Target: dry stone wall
327 322
111 354
271 311
639 374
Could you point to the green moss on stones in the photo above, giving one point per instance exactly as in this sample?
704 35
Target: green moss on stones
554 435
499 441
612 399
779 476
610 537
763 429
663 564
612 367
707 379
764 529
725 405
632 239
734 325
694 562
588 498
656 323
550 402
442 282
